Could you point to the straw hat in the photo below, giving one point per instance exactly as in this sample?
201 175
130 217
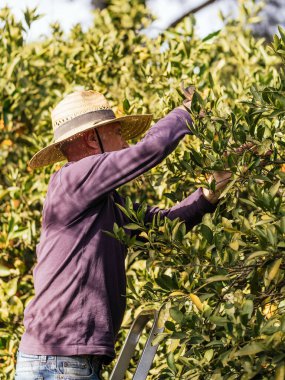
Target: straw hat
78 112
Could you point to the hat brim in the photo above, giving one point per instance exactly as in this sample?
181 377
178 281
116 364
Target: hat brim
132 126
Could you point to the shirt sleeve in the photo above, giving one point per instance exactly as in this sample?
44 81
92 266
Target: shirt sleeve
190 210
88 180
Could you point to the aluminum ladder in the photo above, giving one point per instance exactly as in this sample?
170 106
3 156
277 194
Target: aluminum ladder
129 346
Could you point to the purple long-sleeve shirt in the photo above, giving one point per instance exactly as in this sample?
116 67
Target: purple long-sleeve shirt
79 278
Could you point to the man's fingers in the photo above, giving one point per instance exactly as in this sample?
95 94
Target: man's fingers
189 91
221 179
250 146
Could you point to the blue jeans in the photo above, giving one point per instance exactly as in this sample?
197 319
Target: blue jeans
48 367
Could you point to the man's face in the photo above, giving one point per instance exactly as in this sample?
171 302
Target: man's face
111 137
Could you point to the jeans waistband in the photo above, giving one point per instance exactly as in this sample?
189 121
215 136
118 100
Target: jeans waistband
25 360
91 357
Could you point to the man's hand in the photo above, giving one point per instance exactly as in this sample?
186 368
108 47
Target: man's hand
221 178
189 92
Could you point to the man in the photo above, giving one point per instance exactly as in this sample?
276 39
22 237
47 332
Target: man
73 320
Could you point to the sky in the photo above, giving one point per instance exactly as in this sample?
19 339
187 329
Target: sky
69 13
207 19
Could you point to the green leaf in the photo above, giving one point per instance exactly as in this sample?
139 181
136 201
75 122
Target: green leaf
207 233
109 233
282 32
211 35
253 255
159 338
217 278
11 287
196 157
4 271
12 66
209 355
165 282
228 187
126 105
247 308
274 269
122 208
170 326
175 232
211 81
282 224
133 226
171 362
250 349
176 314
274 189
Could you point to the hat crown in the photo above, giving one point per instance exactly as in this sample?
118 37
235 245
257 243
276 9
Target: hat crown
79 112
76 104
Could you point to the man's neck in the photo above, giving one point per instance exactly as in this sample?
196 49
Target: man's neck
78 156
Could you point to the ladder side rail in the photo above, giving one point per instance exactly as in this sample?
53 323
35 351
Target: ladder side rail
149 351
129 346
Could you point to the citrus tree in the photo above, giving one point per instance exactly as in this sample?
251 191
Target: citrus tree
221 284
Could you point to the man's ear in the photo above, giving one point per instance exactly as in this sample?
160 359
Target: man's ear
91 140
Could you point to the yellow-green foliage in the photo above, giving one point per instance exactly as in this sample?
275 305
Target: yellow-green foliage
222 284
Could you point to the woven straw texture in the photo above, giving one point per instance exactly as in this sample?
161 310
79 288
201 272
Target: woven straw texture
75 105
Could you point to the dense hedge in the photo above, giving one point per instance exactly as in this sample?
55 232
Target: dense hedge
221 284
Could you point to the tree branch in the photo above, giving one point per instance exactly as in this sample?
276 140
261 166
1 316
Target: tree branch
194 10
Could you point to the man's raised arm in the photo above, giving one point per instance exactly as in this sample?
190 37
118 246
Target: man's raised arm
92 177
